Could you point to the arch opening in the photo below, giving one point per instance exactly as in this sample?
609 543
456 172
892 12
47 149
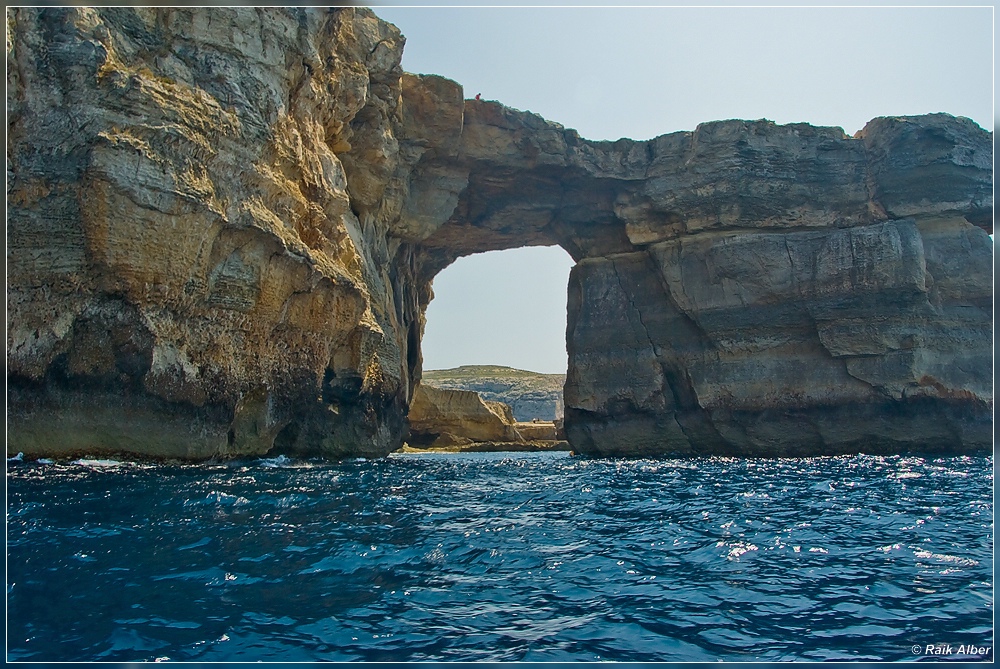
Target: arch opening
494 352
500 308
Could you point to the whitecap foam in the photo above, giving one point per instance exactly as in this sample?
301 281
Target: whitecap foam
927 555
225 498
280 461
739 548
87 462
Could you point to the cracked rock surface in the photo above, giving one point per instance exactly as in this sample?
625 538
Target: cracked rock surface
223 225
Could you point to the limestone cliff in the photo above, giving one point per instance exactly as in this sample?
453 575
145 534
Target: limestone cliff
441 417
223 225
197 264
749 288
462 420
530 395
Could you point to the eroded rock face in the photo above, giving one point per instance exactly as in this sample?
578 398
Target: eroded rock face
538 430
195 264
440 417
753 289
223 225
775 344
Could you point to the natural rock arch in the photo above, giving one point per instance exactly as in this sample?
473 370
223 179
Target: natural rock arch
743 288
222 235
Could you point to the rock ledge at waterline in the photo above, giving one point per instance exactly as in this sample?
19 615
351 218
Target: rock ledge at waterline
223 224
461 420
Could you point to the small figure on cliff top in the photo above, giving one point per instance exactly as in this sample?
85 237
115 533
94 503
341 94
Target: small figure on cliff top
479 96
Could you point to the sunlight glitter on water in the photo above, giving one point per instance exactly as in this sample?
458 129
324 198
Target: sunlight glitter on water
493 557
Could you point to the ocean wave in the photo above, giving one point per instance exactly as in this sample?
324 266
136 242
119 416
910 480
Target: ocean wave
498 557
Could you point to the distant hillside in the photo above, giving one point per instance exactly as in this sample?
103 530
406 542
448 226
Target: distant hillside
530 394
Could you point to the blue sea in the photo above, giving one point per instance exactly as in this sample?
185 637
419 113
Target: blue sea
501 557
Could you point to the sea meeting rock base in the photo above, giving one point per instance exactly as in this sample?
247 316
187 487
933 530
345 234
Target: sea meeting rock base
527 446
223 225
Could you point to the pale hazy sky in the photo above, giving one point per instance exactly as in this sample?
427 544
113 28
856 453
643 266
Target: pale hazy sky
642 72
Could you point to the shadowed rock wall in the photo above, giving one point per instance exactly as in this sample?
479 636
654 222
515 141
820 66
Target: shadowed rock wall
747 288
223 225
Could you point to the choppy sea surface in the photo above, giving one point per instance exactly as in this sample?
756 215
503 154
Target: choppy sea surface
501 557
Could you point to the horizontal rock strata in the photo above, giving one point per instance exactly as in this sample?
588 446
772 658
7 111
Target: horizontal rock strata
191 270
452 417
537 430
223 225
530 395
